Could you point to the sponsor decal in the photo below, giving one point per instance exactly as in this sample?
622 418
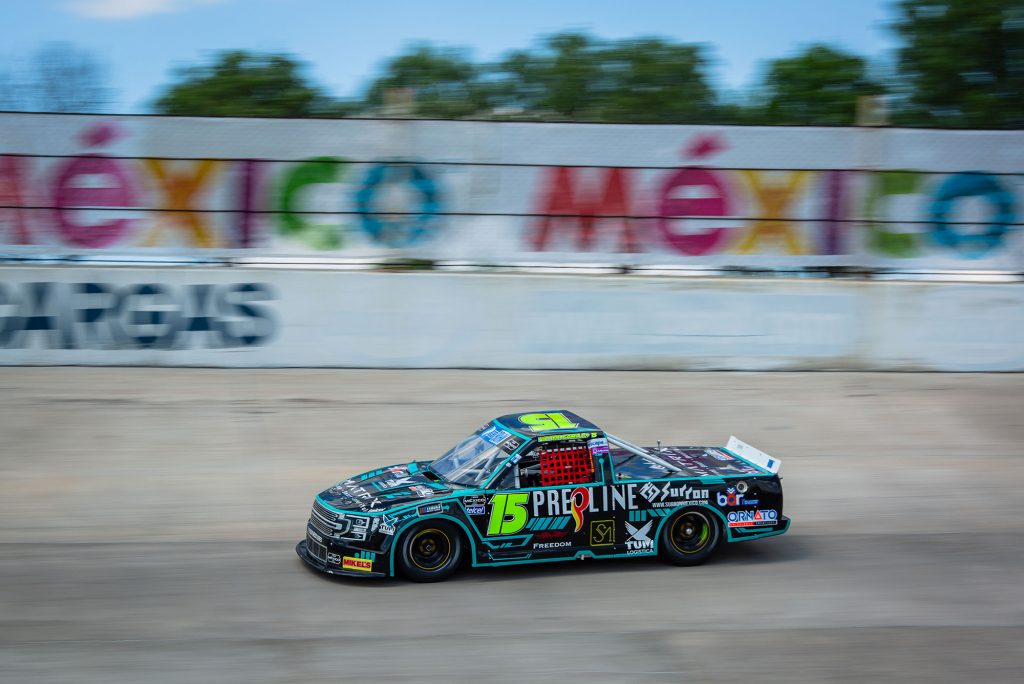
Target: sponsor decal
334 558
552 545
660 493
573 435
733 498
602 532
475 500
515 459
430 508
395 483
476 510
547 421
360 564
598 446
654 465
580 499
551 534
508 513
314 535
511 444
494 436
639 538
423 491
718 455
752 518
387 525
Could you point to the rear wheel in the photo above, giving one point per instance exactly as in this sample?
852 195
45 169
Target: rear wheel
690 537
430 552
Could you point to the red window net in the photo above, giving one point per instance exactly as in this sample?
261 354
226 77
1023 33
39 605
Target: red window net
566 465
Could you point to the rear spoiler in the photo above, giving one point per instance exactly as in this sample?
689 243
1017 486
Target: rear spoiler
758 458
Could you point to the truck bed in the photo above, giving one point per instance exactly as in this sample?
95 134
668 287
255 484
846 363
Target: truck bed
680 461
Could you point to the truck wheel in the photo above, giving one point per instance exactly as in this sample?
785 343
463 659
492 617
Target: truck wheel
690 537
430 551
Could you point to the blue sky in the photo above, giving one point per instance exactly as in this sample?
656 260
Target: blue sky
346 41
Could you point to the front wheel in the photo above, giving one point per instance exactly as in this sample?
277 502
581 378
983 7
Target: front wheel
430 552
690 537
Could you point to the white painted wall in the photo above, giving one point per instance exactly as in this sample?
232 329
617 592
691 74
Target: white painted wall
269 317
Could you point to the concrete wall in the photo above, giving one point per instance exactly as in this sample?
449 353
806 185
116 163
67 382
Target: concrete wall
272 317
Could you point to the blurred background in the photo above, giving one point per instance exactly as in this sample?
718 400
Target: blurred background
250 249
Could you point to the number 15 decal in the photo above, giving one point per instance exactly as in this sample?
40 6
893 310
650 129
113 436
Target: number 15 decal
508 513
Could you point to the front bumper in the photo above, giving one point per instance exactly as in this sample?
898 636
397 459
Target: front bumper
333 569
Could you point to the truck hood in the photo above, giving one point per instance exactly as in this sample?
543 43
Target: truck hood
384 488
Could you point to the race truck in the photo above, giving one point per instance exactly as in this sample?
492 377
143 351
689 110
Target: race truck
541 487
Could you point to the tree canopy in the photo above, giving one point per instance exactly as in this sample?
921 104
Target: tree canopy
819 86
963 62
960 64
239 83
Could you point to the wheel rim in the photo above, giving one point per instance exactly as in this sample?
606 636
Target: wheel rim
691 533
430 549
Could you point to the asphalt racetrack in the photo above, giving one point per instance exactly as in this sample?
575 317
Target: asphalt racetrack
148 519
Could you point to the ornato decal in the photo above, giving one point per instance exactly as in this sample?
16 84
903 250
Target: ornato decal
752 518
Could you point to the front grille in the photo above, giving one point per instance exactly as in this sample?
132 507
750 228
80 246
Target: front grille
320 526
326 513
316 549
339 526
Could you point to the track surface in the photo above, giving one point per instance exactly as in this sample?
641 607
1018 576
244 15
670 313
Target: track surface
147 519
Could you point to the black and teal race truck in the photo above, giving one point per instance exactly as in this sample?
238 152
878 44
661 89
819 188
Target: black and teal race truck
542 487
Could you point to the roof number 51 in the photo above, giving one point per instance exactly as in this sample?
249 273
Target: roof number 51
547 421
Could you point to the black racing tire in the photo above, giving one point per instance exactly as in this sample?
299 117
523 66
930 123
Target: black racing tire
690 537
429 551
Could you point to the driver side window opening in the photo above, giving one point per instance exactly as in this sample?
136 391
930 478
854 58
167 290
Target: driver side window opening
554 464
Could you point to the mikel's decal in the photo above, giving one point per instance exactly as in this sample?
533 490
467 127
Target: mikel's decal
602 532
360 564
580 499
508 513
639 538
752 518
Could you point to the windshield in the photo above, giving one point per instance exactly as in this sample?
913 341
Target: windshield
472 461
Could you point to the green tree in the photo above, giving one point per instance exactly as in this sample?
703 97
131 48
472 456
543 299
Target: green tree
576 77
963 61
441 82
239 83
649 80
819 86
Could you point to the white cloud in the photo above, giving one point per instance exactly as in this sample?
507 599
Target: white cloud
129 9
